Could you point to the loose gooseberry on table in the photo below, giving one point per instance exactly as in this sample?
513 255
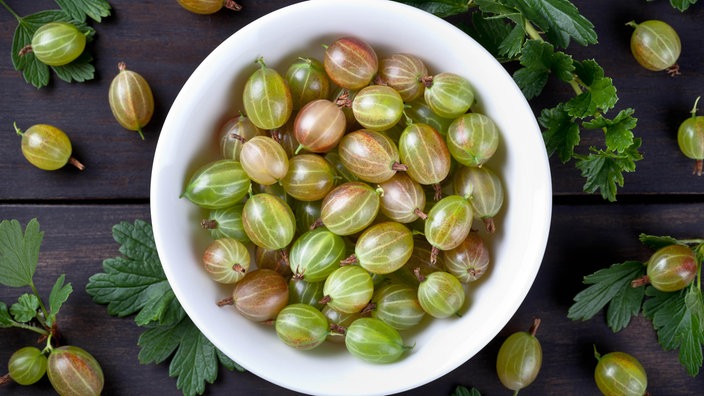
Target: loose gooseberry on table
690 138
354 191
655 45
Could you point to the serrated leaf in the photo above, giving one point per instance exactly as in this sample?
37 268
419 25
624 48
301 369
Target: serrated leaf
489 33
618 132
25 309
440 8
539 59
512 43
79 9
559 19
657 242
229 363
561 133
604 170
19 252
5 317
606 284
57 297
677 325
682 5
194 358
624 306
599 92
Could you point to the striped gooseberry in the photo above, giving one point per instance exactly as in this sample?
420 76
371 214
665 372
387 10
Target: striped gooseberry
374 341
264 160
619 373
207 7
424 151
73 371
307 213
655 45
404 73
672 268
448 224
690 138
484 189
307 81
349 208
131 99
472 139
27 365
58 43
309 177
267 98
377 107
301 326
348 289
350 62
402 198
319 126
397 305
316 254
217 184
440 294
260 295
225 223
449 95
469 260
384 247
226 260
47 147
371 156
234 133
268 221
520 358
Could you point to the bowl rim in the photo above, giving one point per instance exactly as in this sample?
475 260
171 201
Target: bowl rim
540 212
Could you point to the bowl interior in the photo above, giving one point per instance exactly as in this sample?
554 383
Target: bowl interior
212 94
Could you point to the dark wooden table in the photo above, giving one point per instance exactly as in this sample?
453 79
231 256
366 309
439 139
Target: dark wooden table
165 44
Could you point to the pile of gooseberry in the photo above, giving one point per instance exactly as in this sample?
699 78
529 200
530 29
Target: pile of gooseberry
343 204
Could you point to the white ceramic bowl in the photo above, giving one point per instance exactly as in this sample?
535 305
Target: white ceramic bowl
213 93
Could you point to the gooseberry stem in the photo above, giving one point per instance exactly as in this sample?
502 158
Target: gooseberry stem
694 108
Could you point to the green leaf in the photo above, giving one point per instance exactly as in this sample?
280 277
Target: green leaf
440 8
657 242
561 132
604 170
19 253
80 9
34 71
618 132
490 34
57 297
677 318
682 5
624 305
195 359
25 309
539 59
606 285
5 318
463 391
135 283
599 95
559 19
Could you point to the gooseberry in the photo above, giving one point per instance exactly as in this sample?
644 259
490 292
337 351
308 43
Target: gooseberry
619 373
73 371
655 45
47 147
58 43
27 365
690 138
520 358
131 99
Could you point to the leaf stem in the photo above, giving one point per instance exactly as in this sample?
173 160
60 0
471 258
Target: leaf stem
19 19
532 31
42 319
29 327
